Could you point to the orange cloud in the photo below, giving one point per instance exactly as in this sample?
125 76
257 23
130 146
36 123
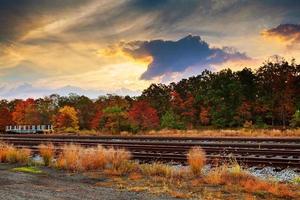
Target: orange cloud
284 33
117 51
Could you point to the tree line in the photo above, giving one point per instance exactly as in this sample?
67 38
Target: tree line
268 96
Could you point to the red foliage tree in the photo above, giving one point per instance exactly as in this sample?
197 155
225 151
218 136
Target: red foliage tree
25 112
143 115
95 122
5 118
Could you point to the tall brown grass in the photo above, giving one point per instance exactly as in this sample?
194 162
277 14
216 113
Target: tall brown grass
196 159
116 157
93 158
10 154
47 151
76 158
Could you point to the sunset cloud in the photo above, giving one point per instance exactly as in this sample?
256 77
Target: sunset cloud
289 33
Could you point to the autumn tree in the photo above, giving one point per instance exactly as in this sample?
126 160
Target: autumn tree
204 116
67 118
115 116
276 81
97 121
171 121
158 95
26 112
143 115
5 118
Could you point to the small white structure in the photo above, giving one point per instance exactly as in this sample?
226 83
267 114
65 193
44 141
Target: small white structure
29 128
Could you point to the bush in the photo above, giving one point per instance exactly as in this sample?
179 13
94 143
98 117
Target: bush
47 152
196 160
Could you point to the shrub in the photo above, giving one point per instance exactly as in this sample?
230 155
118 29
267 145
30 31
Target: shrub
47 152
196 160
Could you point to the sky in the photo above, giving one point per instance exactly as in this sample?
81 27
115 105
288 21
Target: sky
95 47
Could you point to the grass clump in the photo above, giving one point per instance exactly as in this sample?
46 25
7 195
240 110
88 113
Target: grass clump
10 154
47 152
117 157
157 169
76 158
196 160
93 158
27 169
69 158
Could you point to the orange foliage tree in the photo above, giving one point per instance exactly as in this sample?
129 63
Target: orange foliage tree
25 112
143 115
67 118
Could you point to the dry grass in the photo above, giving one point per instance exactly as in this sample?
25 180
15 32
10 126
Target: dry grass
93 158
236 176
230 133
196 160
69 158
3 152
176 182
10 154
117 157
157 169
47 152
76 158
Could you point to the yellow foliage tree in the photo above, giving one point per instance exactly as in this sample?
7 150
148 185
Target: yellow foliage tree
67 118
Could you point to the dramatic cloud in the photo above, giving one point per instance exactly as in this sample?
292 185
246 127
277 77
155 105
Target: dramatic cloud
18 17
54 43
176 56
286 32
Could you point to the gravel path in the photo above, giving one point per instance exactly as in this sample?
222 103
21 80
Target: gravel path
58 185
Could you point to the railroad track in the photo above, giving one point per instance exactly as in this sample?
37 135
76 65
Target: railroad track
279 152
